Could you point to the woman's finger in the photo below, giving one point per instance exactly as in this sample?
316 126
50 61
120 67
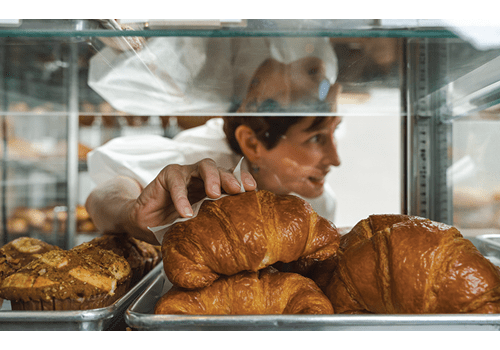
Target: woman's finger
229 182
248 181
176 180
209 173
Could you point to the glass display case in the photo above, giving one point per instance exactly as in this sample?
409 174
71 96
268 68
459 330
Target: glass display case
419 110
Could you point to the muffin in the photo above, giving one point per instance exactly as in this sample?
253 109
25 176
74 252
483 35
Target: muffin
20 252
68 280
141 256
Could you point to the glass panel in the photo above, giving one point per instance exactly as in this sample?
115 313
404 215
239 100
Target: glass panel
368 181
34 173
454 94
474 174
211 76
34 92
169 84
449 85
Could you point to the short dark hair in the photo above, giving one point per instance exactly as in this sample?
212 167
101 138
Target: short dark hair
268 130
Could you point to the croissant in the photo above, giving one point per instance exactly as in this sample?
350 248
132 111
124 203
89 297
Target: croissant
264 292
397 264
245 232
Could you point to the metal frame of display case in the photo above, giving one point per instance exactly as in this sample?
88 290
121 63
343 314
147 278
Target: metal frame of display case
429 132
434 101
3 178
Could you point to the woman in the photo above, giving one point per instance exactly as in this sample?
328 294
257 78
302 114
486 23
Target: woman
285 155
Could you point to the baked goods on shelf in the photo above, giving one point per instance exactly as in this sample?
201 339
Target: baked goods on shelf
47 220
23 219
18 226
245 232
83 150
88 116
141 256
136 120
398 264
20 252
84 223
67 280
108 115
21 149
38 276
264 292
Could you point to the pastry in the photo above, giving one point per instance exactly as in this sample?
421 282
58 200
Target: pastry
247 231
398 264
141 256
20 252
248 293
68 280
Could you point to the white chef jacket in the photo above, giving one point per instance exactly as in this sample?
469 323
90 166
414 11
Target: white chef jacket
142 157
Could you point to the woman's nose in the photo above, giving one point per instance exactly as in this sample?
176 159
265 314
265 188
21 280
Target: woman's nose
331 153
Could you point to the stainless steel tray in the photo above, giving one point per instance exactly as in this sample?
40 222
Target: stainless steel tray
106 318
140 316
489 245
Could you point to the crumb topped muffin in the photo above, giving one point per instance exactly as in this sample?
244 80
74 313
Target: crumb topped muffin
68 280
20 252
141 256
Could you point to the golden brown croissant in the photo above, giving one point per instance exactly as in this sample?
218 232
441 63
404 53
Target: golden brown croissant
397 264
264 292
245 232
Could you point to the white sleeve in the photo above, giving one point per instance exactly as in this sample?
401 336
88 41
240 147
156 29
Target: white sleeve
168 76
140 156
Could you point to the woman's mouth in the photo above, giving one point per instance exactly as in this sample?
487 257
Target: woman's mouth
318 181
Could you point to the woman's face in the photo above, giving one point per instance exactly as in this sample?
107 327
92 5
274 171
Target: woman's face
301 160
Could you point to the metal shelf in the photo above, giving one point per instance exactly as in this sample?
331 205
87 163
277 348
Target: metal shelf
252 27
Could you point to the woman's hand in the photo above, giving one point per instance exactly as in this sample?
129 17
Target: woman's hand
170 194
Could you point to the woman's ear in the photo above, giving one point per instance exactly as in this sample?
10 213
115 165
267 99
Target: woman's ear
249 144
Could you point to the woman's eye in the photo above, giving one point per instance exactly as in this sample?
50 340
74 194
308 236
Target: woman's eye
316 138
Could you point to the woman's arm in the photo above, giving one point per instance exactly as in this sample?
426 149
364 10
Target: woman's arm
109 205
121 205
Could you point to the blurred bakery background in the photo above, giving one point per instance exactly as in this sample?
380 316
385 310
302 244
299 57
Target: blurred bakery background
43 151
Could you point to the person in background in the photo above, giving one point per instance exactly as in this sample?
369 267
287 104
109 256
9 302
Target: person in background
148 181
